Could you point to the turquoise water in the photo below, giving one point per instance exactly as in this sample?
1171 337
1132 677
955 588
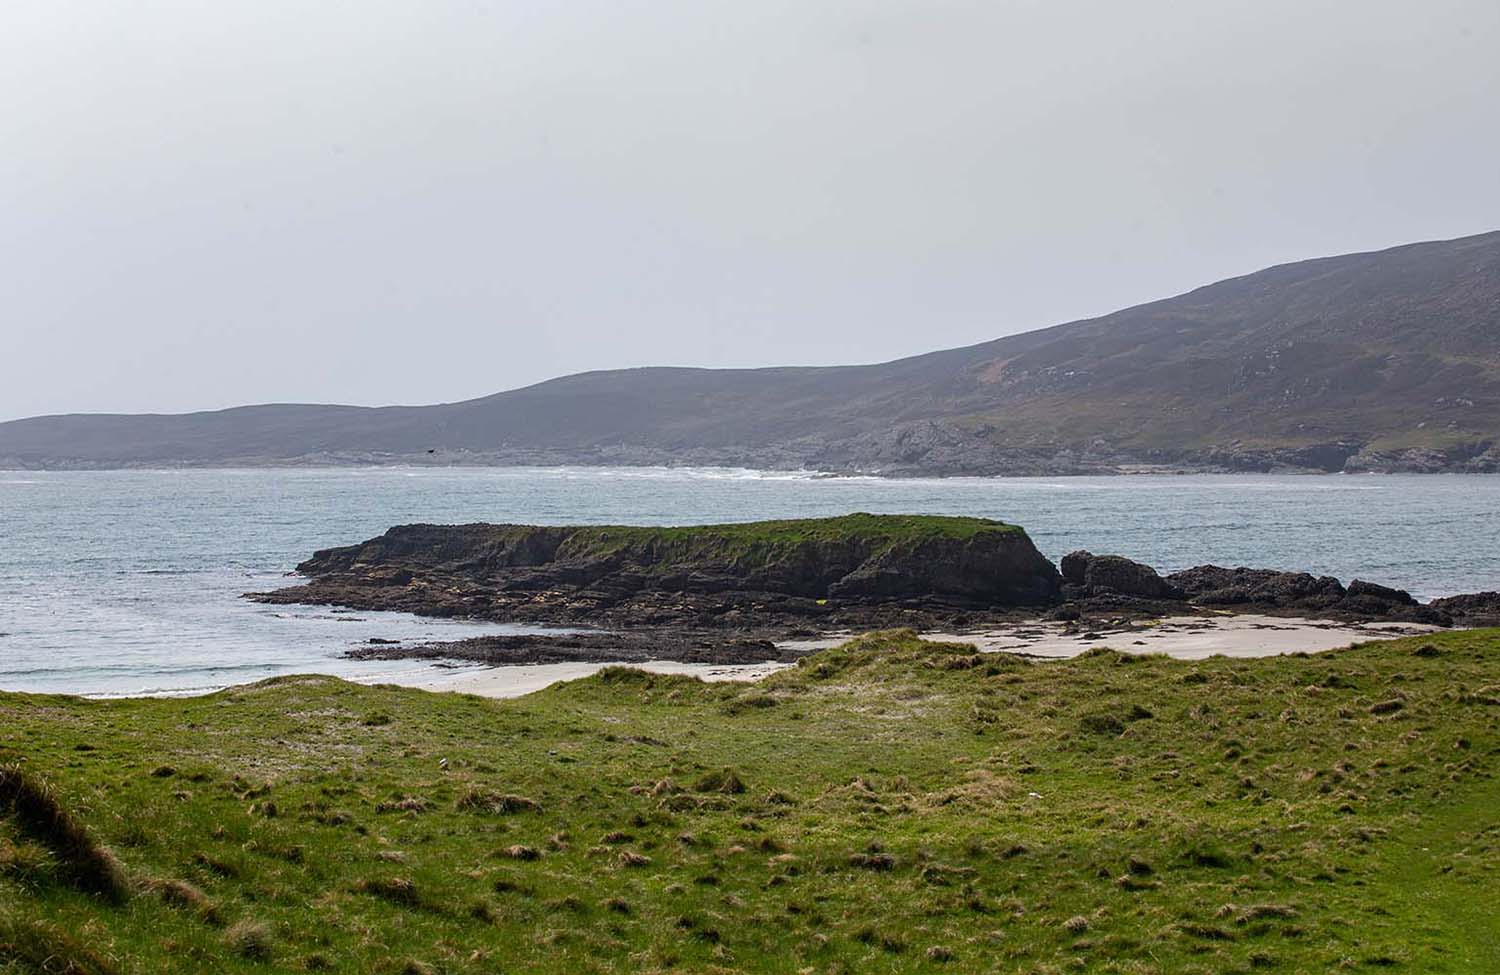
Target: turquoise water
123 582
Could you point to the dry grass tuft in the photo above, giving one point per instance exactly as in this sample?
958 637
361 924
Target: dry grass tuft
496 803
981 788
411 804
630 858
181 894
250 940
724 781
872 861
34 946
41 815
395 890
521 852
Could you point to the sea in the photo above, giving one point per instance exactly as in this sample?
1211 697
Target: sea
131 582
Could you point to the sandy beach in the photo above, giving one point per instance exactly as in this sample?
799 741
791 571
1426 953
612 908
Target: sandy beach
1184 637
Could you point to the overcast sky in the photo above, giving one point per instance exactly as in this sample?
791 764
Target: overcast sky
208 204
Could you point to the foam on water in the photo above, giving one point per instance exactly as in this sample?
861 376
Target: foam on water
129 581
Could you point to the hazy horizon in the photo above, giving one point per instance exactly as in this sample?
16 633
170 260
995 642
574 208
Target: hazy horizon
420 203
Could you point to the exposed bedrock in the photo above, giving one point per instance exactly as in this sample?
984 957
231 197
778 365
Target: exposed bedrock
809 567
695 590
1097 575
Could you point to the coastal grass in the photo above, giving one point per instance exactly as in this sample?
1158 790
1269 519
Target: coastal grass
890 805
758 542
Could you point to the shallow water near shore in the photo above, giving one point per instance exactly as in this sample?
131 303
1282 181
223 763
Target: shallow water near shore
125 582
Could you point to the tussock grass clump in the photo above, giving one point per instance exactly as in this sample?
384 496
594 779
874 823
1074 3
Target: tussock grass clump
35 946
181 894
401 891
752 701
216 865
250 940
496 803
884 940
1113 721
981 788
1257 912
27 863
411 804
40 814
1102 723
630 858
872 861
725 781
520 851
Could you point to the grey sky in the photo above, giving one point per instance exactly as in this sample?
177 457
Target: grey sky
206 204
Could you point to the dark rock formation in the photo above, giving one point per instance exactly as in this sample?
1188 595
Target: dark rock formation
727 593
1211 585
1100 575
1470 609
631 647
853 569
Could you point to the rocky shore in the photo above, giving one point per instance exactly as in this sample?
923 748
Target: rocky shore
738 593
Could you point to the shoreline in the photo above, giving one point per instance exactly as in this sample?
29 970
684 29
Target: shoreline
1181 637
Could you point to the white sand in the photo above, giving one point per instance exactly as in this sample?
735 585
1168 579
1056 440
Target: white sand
1184 637
515 681
1195 637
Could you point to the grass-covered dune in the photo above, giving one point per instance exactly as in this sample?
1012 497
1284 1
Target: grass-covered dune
891 805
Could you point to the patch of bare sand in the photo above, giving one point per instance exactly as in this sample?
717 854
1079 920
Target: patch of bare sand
1184 637
513 681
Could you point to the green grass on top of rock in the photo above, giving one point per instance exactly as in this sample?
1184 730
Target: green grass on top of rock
890 805
769 538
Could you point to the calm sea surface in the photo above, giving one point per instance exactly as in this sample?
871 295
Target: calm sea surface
124 582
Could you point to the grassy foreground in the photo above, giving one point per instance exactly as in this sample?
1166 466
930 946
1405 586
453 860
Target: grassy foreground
890 805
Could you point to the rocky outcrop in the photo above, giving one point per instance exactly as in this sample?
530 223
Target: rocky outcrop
1098 583
1099 575
1470 609
1212 585
832 569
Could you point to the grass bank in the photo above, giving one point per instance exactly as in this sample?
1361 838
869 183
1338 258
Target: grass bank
890 805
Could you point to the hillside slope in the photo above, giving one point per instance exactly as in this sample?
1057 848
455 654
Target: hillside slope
1387 360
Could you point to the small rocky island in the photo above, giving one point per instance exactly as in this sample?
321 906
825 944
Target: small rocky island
731 593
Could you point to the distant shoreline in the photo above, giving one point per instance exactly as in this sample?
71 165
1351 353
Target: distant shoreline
413 464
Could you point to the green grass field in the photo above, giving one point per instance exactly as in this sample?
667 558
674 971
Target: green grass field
890 805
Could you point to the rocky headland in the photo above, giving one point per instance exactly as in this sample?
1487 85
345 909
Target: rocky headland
737 593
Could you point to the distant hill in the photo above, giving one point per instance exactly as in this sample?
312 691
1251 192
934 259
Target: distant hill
1380 361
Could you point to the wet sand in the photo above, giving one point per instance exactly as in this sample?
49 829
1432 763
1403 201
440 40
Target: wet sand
1184 637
